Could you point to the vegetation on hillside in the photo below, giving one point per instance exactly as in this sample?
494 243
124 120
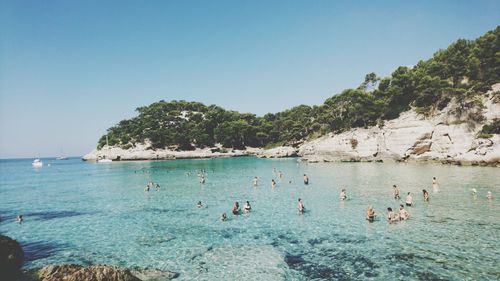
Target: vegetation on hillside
465 69
489 129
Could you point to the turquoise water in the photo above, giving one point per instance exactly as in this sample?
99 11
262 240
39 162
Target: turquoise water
87 213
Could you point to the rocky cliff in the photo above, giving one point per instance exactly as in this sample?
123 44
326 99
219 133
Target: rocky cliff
449 135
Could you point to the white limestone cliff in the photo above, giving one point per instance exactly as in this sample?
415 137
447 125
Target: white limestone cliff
444 136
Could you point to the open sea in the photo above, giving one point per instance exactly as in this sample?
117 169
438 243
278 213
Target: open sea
88 213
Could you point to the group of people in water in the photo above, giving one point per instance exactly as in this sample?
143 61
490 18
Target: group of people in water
152 185
237 211
392 215
402 214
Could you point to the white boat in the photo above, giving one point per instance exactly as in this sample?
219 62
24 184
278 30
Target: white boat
37 163
105 160
62 158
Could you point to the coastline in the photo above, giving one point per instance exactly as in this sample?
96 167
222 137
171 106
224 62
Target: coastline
447 136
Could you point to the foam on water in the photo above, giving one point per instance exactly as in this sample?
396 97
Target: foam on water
86 213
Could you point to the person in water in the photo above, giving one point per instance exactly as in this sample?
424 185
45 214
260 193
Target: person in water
426 195
474 191
435 185
343 194
255 181
370 213
489 195
199 205
157 187
409 200
273 183
306 179
223 217
19 218
202 179
301 207
236 208
392 216
247 208
280 174
146 189
403 213
396 191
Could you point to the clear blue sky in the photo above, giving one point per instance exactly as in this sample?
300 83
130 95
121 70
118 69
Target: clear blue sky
71 69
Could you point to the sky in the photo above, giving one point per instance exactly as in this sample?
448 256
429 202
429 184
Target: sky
71 69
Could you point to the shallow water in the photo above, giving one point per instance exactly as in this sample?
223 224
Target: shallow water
87 213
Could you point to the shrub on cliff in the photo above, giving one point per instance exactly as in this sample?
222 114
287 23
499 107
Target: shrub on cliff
489 129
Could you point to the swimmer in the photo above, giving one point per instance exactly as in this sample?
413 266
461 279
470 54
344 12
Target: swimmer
157 187
391 216
343 194
301 207
280 174
19 218
273 183
395 191
403 213
306 179
223 217
426 195
489 196
255 181
199 205
236 208
247 207
473 191
435 185
202 179
370 213
146 189
409 200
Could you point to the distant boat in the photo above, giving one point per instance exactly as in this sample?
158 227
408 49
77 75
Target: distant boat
61 157
105 160
37 163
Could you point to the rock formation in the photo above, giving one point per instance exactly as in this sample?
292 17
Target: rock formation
71 272
448 136
11 256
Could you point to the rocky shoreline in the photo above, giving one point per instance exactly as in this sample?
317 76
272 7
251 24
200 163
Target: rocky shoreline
12 258
100 272
448 136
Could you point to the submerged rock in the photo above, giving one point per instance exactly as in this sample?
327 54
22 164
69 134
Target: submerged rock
11 256
72 272
152 274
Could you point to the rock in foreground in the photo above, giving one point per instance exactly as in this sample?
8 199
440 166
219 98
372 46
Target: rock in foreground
11 256
72 272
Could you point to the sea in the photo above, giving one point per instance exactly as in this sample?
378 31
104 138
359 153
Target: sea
89 213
